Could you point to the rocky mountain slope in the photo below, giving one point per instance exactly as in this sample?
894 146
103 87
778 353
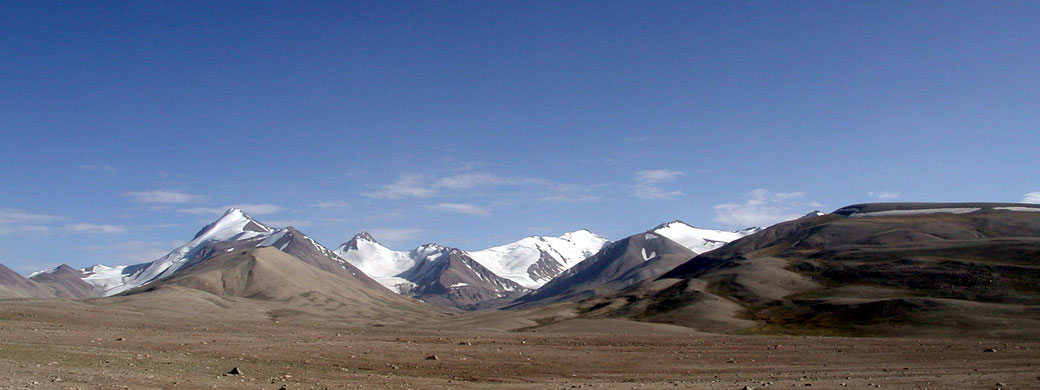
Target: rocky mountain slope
232 231
889 268
14 285
471 280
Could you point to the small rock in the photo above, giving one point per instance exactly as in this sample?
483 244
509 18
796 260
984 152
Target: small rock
989 350
465 343
120 339
431 357
235 371
283 388
748 388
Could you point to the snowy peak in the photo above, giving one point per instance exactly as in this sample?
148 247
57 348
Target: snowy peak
363 236
533 261
234 221
697 239
814 213
381 263
673 222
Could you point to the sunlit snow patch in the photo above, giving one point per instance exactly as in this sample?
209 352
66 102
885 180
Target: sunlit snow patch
900 213
647 258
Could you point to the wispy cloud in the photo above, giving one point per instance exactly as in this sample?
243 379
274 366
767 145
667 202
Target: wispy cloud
472 180
251 209
22 216
407 186
21 221
482 184
1032 197
464 208
163 196
331 205
134 251
764 208
388 235
883 195
422 186
649 184
95 167
93 228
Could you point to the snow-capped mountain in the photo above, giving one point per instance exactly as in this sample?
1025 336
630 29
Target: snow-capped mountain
814 213
632 260
533 261
433 273
620 264
234 230
377 261
14 285
699 240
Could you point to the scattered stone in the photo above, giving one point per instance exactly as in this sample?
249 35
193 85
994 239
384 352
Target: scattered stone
431 357
748 388
989 350
235 371
465 343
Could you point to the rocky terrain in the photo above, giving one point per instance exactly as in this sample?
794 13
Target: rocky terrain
952 288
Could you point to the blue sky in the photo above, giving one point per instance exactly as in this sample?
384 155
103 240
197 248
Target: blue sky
125 127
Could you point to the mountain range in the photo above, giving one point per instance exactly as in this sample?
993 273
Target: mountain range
433 273
862 269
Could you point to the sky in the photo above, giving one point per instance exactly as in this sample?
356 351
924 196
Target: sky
127 126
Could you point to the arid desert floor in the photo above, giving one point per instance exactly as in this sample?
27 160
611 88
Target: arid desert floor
76 345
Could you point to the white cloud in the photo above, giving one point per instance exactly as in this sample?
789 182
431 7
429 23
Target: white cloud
93 228
135 251
26 229
21 221
464 208
13 216
388 235
1032 197
763 208
657 175
331 205
419 186
407 186
648 184
472 180
883 194
251 209
162 196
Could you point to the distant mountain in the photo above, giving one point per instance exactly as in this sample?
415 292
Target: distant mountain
699 240
529 262
14 285
814 213
381 263
450 277
67 282
444 276
617 265
866 269
635 259
268 274
232 231
533 261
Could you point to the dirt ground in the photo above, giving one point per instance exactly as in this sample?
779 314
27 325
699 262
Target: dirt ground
72 345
